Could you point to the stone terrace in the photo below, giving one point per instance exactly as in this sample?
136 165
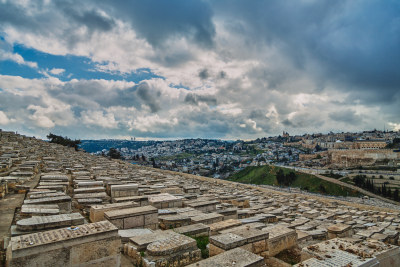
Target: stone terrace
85 210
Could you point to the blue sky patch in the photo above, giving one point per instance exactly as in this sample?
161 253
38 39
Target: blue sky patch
76 67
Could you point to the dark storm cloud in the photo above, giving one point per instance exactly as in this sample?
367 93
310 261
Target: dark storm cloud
92 19
288 122
158 21
354 45
222 75
151 100
295 123
93 94
203 74
11 14
173 59
15 103
16 15
347 116
257 114
60 18
196 99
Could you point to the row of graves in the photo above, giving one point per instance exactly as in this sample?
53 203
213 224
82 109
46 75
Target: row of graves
89 210
17 164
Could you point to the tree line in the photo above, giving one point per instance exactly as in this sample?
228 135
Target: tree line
285 179
65 141
368 184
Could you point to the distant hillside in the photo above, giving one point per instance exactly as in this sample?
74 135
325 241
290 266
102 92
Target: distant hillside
92 146
267 175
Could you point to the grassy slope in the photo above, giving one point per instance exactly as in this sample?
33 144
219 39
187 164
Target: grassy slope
267 175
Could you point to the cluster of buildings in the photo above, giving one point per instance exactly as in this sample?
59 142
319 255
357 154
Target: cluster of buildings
213 158
347 150
78 209
220 159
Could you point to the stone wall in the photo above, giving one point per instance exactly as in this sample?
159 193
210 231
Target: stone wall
356 157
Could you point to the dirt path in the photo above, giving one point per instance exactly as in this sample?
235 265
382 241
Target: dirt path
8 205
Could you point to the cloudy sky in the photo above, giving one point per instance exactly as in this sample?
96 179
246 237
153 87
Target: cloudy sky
209 69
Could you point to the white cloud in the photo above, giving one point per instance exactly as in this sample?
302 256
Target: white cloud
56 71
17 58
153 123
99 118
3 118
394 126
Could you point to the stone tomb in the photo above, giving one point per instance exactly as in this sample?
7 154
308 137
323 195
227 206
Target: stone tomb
173 221
165 200
339 230
43 195
140 243
177 250
96 244
240 202
86 203
207 218
46 222
129 233
339 258
86 190
97 211
204 206
350 252
39 210
63 202
140 217
141 200
172 190
191 189
280 238
230 213
100 195
124 190
162 248
253 240
89 184
54 177
233 258
215 228
194 230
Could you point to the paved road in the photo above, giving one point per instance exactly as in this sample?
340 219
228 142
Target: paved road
365 192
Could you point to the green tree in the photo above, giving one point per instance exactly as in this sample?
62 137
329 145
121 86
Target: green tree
359 181
384 192
285 179
322 189
65 141
395 143
280 177
153 161
114 153
396 195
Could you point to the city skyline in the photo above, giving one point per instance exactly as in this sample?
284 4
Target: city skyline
198 69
